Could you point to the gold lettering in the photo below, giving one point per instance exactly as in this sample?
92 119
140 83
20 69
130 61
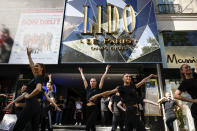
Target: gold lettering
85 19
109 18
131 14
99 19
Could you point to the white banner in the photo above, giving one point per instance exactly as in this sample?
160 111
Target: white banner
39 29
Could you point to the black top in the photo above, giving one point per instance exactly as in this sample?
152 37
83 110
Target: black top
59 103
32 85
115 99
91 92
128 95
169 106
190 85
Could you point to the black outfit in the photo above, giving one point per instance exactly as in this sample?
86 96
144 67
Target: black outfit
19 108
91 111
118 117
170 114
46 116
31 110
190 86
2 106
104 110
129 97
59 113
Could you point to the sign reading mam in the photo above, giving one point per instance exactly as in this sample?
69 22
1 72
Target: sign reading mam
108 30
178 55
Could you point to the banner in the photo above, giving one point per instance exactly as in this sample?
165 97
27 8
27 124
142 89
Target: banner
111 31
152 94
39 29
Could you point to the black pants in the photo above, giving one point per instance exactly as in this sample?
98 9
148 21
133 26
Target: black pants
78 117
91 115
169 121
46 121
30 113
194 113
132 120
104 117
117 120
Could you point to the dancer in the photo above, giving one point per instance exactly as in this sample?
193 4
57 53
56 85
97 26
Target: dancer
2 106
118 114
92 90
47 109
33 95
61 104
20 104
188 84
169 106
128 94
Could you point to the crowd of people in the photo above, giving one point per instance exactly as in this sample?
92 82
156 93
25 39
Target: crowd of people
37 101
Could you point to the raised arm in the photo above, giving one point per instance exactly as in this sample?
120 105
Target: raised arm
31 63
50 77
195 69
104 94
103 77
178 96
150 102
83 77
145 79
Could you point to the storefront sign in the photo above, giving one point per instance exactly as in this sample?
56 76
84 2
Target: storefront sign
178 55
109 31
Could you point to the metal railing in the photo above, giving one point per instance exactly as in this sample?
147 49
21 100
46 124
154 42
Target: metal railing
169 8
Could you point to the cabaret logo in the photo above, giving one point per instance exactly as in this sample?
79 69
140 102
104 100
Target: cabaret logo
174 59
113 16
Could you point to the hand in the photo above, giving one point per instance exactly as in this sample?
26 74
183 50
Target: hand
194 101
57 108
49 75
107 67
93 98
29 50
153 76
26 96
80 69
8 106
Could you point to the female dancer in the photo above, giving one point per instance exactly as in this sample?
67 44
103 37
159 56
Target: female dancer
92 90
128 94
33 95
188 84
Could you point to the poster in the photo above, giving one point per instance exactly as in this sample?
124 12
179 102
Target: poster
39 29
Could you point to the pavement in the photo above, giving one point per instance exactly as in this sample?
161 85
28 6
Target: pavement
79 128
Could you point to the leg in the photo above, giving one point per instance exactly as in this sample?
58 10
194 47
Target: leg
169 121
57 117
60 117
91 118
114 122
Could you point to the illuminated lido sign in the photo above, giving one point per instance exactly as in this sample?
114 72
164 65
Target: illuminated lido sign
108 30
115 15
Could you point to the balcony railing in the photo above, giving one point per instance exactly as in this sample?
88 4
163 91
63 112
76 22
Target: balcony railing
169 8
